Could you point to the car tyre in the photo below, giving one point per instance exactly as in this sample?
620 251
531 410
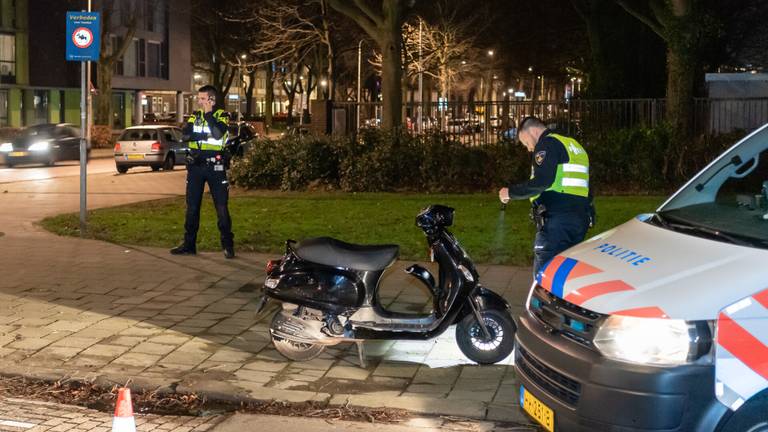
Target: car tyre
155 167
749 418
122 169
170 161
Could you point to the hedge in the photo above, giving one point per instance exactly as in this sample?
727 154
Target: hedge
638 160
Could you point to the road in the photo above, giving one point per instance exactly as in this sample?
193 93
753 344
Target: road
61 169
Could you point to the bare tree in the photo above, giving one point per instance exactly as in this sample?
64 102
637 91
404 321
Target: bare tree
382 21
290 29
108 56
440 51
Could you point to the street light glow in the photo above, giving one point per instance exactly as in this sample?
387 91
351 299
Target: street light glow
530 68
510 90
463 62
323 83
243 56
490 53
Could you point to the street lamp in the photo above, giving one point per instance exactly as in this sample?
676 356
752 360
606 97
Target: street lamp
241 65
490 53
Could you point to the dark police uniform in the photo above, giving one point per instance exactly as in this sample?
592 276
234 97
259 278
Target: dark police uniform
207 163
560 196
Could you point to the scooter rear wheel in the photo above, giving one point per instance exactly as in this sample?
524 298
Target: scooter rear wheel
473 342
296 351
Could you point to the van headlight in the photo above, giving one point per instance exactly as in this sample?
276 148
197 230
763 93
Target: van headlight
655 341
6 147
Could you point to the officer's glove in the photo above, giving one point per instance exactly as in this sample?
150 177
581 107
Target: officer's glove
189 158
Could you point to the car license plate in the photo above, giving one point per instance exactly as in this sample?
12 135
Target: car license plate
18 153
536 409
135 156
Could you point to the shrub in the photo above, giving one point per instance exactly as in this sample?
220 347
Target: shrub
640 160
101 137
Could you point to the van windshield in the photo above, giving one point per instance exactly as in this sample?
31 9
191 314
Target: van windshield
728 200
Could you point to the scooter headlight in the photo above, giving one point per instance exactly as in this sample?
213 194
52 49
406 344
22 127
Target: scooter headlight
653 341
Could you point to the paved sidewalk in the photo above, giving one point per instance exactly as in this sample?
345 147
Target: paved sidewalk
94 310
32 416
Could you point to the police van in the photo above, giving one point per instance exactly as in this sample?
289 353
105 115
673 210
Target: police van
660 324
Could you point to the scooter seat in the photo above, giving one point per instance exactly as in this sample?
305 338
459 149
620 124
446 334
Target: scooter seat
336 253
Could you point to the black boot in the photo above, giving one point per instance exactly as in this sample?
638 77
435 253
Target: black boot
229 252
183 249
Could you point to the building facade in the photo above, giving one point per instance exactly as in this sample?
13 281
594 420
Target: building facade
38 85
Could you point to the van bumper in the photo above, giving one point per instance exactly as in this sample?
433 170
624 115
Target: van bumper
589 392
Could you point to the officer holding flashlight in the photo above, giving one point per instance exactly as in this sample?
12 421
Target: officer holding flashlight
561 199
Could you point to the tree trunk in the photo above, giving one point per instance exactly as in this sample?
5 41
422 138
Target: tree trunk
104 99
681 77
391 81
331 52
269 97
249 93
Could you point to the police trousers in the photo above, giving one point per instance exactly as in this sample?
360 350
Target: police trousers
560 231
197 176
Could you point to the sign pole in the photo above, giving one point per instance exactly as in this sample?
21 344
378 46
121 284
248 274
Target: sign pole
83 148
83 46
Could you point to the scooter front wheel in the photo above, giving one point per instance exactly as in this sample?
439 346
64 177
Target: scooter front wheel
477 346
296 351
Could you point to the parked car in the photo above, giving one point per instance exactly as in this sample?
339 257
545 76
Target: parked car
149 118
156 146
457 126
241 137
45 144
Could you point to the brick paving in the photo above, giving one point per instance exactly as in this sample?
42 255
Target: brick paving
94 310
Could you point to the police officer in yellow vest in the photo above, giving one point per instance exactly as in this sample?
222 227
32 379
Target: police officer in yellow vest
206 132
561 199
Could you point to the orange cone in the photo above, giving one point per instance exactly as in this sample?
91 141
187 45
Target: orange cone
123 420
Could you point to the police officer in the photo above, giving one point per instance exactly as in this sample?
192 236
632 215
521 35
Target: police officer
207 160
561 199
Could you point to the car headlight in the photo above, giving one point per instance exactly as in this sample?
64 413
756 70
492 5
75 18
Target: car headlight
655 341
6 147
39 146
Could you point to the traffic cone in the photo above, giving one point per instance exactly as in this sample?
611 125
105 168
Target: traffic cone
123 420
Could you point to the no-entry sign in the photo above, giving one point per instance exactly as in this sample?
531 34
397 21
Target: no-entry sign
83 36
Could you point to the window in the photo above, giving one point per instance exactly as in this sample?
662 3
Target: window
149 15
40 107
116 41
153 60
142 64
130 60
7 58
3 107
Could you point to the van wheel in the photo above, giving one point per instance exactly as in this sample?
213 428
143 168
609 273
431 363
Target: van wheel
122 169
476 346
749 418
170 161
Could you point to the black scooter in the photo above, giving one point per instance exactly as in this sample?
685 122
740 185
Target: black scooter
329 291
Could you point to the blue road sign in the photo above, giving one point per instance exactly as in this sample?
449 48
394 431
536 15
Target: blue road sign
83 36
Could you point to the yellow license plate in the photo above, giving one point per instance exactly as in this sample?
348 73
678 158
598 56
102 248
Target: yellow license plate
19 154
536 409
135 156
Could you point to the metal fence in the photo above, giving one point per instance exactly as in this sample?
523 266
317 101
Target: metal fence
477 123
